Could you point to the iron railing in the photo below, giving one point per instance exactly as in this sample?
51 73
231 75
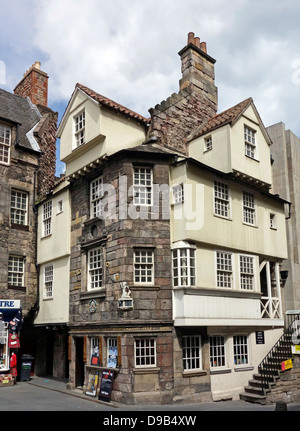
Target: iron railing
270 366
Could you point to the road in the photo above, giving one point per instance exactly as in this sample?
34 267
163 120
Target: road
46 395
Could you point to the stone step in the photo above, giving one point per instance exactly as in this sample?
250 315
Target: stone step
253 398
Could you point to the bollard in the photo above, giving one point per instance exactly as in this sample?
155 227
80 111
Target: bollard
281 406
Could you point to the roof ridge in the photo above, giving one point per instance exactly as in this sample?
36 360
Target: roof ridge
111 103
229 114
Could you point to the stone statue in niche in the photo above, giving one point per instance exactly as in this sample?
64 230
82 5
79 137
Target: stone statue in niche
125 301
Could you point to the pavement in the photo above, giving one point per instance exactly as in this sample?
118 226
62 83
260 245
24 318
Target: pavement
59 386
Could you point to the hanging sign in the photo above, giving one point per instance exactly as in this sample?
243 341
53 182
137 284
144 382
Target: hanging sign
106 385
287 365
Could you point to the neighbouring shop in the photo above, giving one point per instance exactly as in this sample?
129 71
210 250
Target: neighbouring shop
10 327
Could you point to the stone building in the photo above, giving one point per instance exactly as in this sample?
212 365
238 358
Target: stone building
27 168
174 256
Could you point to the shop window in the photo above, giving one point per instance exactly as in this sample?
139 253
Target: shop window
217 351
191 352
241 351
145 352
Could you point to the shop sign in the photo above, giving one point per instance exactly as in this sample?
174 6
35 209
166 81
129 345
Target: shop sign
9 303
287 365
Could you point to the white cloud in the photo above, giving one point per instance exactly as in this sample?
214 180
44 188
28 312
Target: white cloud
128 50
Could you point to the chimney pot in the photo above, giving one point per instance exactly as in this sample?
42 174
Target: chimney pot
197 42
203 47
37 65
191 37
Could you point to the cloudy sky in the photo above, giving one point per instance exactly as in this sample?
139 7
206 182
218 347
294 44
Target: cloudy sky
128 50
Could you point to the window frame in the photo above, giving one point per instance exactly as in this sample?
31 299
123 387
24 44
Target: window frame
79 129
23 211
96 197
148 267
218 347
150 357
187 355
246 275
10 273
241 346
191 255
208 143
97 271
5 147
178 193
250 142
142 187
224 272
48 281
47 218
249 209
222 203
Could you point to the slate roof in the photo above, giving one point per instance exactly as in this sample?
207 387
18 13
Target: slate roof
226 117
20 110
111 104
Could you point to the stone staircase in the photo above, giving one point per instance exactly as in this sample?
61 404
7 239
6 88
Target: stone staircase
269 379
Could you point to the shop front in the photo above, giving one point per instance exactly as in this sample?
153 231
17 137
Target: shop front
10 326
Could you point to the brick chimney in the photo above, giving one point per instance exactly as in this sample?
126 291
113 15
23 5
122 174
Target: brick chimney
198 72
34 84
180 114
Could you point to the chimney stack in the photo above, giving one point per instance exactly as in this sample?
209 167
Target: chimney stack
198 73
34 85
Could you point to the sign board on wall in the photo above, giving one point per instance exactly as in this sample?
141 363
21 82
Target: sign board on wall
260 337
296 350
287 365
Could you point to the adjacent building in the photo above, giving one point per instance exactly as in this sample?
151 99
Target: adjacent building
27 169
285 155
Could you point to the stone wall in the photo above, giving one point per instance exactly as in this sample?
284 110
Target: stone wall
287 388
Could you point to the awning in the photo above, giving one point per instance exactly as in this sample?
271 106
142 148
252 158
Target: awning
9 313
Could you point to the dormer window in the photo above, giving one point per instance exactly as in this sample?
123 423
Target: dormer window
79 122
5 142
250 142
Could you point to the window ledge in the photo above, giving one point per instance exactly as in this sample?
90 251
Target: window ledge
194 373
91 294
11 286
243 368
20 226
145 370
220 371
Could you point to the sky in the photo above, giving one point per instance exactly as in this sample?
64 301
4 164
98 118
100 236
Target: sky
128 50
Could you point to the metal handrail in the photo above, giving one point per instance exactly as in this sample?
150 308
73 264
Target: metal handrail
270 366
